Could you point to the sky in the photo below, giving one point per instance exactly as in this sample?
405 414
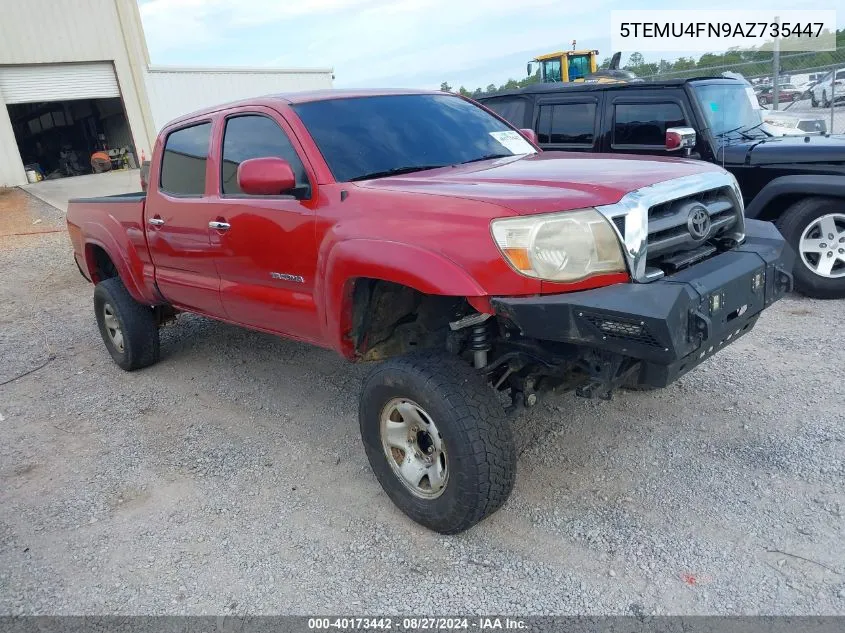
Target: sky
392 43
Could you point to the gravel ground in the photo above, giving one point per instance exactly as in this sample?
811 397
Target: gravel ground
230 478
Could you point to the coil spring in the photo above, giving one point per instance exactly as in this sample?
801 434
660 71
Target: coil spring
479 338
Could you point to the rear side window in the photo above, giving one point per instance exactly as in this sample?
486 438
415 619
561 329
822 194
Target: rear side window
567 123
256 136
645 123
183 163
511 110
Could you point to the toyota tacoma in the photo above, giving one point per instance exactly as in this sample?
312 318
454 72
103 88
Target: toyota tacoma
419 230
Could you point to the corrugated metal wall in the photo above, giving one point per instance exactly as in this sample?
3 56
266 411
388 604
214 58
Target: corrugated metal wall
54 31
49 32
175 92
43 31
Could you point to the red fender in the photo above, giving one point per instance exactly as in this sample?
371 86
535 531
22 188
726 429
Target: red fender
130 267
400 263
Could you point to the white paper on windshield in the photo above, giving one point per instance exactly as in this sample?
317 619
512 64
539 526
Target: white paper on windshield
752 97
514 142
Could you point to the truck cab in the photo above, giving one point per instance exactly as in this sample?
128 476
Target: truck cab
564 66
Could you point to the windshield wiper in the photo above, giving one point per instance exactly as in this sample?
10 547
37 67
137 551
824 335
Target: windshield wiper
744 131
738 130
487 157
396 171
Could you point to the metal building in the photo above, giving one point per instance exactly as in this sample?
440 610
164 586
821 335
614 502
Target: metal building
76 83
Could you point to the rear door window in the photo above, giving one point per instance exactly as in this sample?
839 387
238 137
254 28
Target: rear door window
184 160
567 124
645 123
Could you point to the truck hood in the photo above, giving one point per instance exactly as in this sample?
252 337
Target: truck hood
787 150
544 182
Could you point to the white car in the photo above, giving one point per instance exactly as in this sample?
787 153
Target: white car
778 123
822 91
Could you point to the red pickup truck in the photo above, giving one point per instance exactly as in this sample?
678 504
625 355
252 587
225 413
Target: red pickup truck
421 230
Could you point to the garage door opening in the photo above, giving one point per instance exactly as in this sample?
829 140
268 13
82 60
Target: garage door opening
57 139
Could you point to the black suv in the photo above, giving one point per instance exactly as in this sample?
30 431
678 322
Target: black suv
798 182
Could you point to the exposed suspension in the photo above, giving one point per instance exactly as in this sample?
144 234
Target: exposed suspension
479 343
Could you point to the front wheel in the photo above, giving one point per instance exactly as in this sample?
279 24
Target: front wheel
825 102
437 440
815 228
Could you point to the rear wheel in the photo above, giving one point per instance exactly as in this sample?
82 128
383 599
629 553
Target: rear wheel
813 101
129 329
437 440
815 228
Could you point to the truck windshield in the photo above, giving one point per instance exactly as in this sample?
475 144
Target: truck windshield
730 107
370 137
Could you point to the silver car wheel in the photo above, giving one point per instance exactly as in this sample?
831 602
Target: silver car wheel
113 327
822 246
414 448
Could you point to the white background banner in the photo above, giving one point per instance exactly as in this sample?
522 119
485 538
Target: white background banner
706 31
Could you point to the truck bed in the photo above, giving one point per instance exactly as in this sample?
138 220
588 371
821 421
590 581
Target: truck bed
114 225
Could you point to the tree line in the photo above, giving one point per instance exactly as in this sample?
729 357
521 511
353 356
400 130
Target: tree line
510 84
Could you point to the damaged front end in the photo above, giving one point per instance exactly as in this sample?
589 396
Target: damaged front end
638 334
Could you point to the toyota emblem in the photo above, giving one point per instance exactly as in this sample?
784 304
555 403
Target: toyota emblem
698 222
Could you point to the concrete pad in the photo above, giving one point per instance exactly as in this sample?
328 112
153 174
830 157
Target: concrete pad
57 192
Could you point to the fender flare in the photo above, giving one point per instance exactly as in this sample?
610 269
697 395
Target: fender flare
118 258
808 185
418 268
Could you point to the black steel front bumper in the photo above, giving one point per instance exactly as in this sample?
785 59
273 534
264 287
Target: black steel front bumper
672 324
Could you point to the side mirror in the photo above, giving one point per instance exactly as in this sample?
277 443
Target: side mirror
269 176
530 134
528 69
680 138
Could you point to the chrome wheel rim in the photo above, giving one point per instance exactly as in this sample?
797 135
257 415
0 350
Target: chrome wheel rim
822 246
414 448
112 327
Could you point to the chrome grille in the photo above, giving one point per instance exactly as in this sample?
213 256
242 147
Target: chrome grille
658 232
668 226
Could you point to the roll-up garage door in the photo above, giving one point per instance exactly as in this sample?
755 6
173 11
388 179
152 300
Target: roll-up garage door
58 82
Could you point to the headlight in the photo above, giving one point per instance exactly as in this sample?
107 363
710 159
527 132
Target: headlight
560 246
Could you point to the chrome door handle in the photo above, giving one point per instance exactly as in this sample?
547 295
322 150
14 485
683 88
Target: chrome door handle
156 221
220 226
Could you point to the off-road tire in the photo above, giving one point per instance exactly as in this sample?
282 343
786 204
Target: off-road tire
480 447
791 225
137 323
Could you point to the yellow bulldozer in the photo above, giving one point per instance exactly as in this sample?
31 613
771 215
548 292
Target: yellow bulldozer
578 66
